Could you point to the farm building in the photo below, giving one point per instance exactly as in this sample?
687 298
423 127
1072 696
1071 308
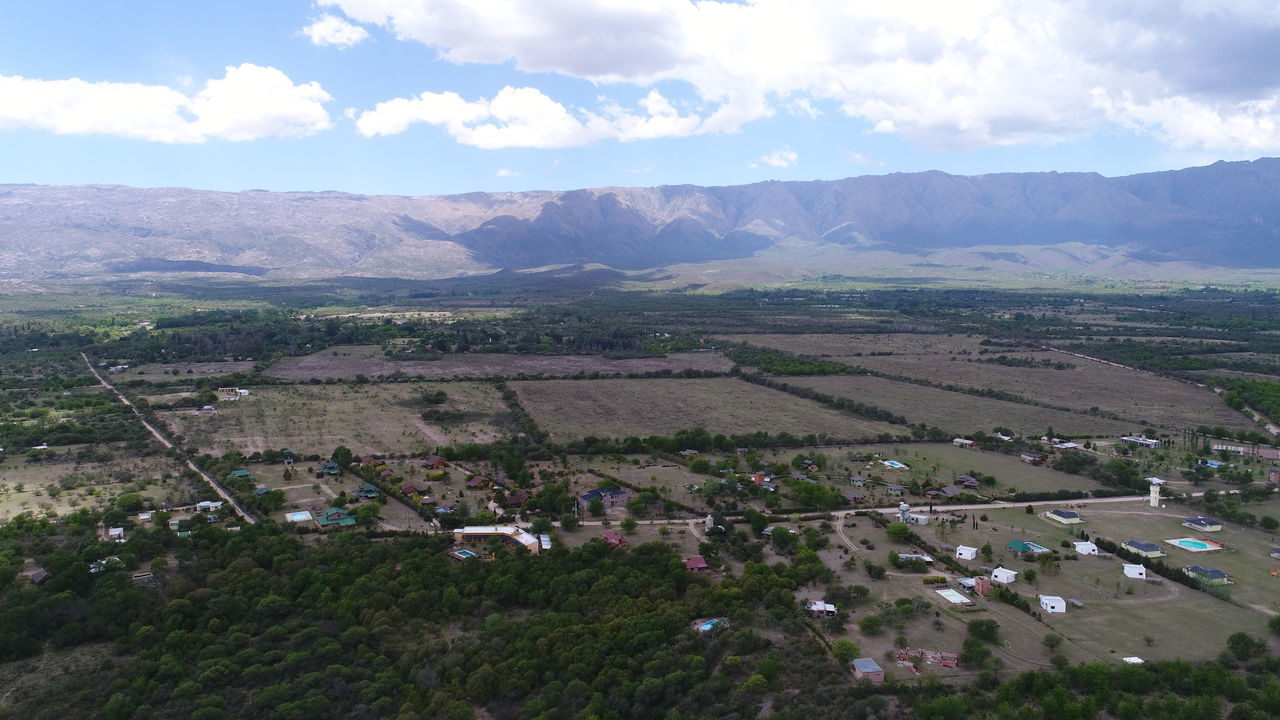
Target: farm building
1084 547
820 608
963 443
1208 576
968 482
1142 441
1143 549
434 461
1004 576
1053 604
964 552
1137 572
1066 517
1202 523
508 534
697 564
908 557
946 491
1032 458
614 539
610 498
868 669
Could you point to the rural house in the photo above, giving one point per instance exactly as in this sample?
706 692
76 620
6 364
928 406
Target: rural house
1032 458
964 552
968 482
1004 576
479 482
1137 572
334 517
1084 547
433 462
1053 604
1203 524
946 492
697 564
613 539
895 489
855 497
610 498
1066 517
1208 576
963 443
1143 549
820 608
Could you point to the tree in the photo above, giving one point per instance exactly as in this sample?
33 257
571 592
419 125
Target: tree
985 630
569 521
986 552
1245 646
871 625
629 525
1052 641
1274 624
596 507
845 651
898 532
343 456
877 572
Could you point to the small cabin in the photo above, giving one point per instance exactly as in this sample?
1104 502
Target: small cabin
1053 604
1004 576
1137 572
964 552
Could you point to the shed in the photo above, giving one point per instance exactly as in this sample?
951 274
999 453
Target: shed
964 552
1137 572
1004 576
868 669
963 443
820 608
1084 547
613 538
1053 604
40 576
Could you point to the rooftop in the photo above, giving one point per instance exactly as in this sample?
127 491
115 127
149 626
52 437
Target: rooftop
867 665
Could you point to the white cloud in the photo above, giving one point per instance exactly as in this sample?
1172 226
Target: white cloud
781 158
858 158
249 102
507 172
333 30
525 117
946 74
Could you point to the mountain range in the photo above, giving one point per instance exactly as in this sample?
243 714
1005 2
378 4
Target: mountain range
1224 216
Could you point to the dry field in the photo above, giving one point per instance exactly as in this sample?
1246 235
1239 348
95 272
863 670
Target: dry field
156 372
845 345
1138 397
306 492
958 412
93 485
346 362
372 418
573 409
1180 621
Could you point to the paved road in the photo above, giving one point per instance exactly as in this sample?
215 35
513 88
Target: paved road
222 493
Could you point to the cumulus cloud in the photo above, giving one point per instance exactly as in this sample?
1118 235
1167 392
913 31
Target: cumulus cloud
507 172
333 30
858 158
946 74
524 117
247 103
781 158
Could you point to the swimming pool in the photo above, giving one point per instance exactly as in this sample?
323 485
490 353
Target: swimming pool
894 464
1193 545
464 554
1037 548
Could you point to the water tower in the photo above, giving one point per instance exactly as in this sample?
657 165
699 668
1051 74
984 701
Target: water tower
1155 491
904 512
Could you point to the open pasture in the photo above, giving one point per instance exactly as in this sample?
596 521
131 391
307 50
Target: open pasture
368 418
1136 396
63 485
839 345
1120 613
345 362
156 372
573 409
958 412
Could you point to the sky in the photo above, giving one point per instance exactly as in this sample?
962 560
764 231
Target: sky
414 97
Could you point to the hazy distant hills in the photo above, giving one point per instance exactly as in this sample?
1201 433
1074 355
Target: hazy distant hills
1226 215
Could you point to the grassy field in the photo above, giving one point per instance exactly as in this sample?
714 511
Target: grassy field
959 412
368 418
1138 397
346 362
573 409
306 492
1181 622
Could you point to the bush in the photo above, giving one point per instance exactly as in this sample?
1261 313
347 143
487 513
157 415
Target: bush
871 625
986 630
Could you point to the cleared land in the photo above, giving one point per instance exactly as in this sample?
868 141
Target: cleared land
303 491
346 362
1136 396
863 343
156 371
573 409
1180 621
958 412
368 418
63 486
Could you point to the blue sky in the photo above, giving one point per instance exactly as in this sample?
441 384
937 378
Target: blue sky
448 96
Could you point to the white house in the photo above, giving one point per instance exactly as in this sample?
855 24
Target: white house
1137 572
1084 547
1053 604
964 552
1004 576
